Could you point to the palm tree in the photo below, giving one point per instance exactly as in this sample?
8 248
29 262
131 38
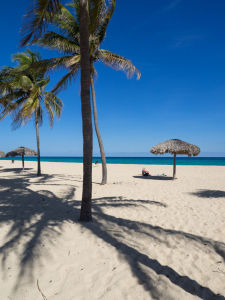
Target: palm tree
40 14
66 40
86 212
22 94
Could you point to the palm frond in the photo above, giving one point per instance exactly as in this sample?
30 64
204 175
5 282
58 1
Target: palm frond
26 58
66 24
97 10
21 82
73 62
53 103
19 120
117 62
11 107
76 10
53 64
101 30
22 92
43 83
8 98
49 113
40 12
55 41
66 80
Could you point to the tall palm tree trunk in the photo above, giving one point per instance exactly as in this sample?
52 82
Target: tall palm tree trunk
85 214
104 168
38 145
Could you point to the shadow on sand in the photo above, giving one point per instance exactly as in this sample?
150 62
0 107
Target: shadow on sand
41 214
154 177
16 170
209 194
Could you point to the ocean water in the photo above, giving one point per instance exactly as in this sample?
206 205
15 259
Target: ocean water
188 161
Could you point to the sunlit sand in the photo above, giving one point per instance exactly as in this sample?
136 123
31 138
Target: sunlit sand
151 237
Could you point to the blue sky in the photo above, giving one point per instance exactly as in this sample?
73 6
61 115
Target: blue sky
179 48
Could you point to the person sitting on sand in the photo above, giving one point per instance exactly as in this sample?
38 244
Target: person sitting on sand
145 172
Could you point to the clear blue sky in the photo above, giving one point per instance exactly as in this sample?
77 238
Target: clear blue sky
179 48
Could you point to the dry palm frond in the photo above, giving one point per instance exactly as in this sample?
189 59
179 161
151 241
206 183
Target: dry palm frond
117 62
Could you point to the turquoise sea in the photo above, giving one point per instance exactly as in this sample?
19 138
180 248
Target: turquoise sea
188 161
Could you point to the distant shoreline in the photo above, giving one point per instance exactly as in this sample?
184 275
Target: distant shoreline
160 160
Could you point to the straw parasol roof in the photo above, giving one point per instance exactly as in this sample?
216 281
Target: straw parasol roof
175 147
2 154
21 151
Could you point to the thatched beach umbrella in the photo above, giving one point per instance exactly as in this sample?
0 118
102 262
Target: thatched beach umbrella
21 151
175 147
2 154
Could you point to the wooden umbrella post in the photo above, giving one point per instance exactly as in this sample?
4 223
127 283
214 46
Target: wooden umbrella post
174 166
23 161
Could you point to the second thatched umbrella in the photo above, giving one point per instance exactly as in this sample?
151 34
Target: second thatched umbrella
175 147
21 151
2 154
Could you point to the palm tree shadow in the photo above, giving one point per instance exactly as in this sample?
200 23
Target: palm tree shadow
209 194
136 259
16 170
154 177
40 215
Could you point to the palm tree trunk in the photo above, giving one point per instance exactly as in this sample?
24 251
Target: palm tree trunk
38 145
85 214
104 168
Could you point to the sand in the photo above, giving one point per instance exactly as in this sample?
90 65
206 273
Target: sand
151 237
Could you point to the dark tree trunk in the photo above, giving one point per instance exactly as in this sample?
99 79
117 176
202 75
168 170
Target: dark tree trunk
104 168
85 214
23 161
38 145
174 167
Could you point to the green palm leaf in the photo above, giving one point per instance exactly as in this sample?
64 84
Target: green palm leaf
101 30
66 80
40 12
55 41
52 104
21 95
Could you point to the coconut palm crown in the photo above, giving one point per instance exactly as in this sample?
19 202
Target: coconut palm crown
23 95
66 39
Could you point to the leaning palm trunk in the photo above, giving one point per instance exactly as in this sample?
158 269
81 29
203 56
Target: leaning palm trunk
85 214
38 144
104 168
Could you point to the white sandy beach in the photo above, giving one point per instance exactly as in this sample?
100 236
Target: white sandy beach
151 237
